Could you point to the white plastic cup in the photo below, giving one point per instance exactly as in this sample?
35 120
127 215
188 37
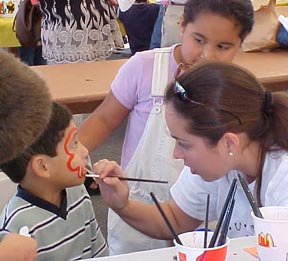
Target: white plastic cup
272 243
193 248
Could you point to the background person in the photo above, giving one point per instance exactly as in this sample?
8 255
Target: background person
210 30
170 23
31 55
224 124
75 31
139 22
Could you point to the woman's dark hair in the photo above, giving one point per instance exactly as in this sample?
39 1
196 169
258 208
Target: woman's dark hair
234 101
240 10
46 144
230 99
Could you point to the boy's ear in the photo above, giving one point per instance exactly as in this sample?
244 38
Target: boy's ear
39 166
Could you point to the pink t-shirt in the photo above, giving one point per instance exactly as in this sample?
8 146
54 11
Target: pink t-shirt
132 88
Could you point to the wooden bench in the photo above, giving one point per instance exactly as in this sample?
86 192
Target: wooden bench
83 86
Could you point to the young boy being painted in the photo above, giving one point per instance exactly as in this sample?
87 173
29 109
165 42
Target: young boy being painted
51 200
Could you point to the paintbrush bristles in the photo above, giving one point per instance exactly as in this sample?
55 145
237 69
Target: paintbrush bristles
92 175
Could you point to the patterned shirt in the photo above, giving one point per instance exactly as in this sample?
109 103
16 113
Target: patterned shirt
78 30
190 193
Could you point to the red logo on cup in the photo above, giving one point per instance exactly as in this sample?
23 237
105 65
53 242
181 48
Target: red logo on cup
213 254
182 256
265 240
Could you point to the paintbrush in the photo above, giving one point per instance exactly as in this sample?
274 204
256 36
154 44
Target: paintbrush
230 197
177 239
91 174
224 230
250 197
206 220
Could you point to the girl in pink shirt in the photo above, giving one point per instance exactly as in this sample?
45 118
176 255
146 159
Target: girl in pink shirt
209 30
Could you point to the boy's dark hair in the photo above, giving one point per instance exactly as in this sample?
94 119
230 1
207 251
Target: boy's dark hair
240 10
46 144
25 106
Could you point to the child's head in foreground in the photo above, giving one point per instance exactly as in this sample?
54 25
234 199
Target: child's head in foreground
25 106
56 158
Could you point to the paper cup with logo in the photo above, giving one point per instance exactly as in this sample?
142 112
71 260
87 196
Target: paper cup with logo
271 233
193 250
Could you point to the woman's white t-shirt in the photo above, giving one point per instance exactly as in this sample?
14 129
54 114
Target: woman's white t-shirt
190 193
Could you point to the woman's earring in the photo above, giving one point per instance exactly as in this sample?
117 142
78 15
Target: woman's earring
230 153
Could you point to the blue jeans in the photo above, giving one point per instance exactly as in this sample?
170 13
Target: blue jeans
31 55
156 35
282 36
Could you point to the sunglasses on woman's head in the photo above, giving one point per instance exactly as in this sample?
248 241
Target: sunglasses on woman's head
180 92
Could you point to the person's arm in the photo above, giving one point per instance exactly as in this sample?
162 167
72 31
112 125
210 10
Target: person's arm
97 127
122 98
143 217
14 247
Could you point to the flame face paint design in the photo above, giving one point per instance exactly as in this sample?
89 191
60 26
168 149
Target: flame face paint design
71 155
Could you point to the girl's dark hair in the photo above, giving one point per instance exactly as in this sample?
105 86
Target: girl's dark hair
232 100
46 144
240 10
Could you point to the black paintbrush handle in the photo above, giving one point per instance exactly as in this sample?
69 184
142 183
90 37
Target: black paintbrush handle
250 197
165 219
224 230
94 175
229 197
143 180
206 220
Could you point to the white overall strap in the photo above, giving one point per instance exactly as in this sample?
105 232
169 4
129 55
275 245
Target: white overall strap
160 71
152 159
